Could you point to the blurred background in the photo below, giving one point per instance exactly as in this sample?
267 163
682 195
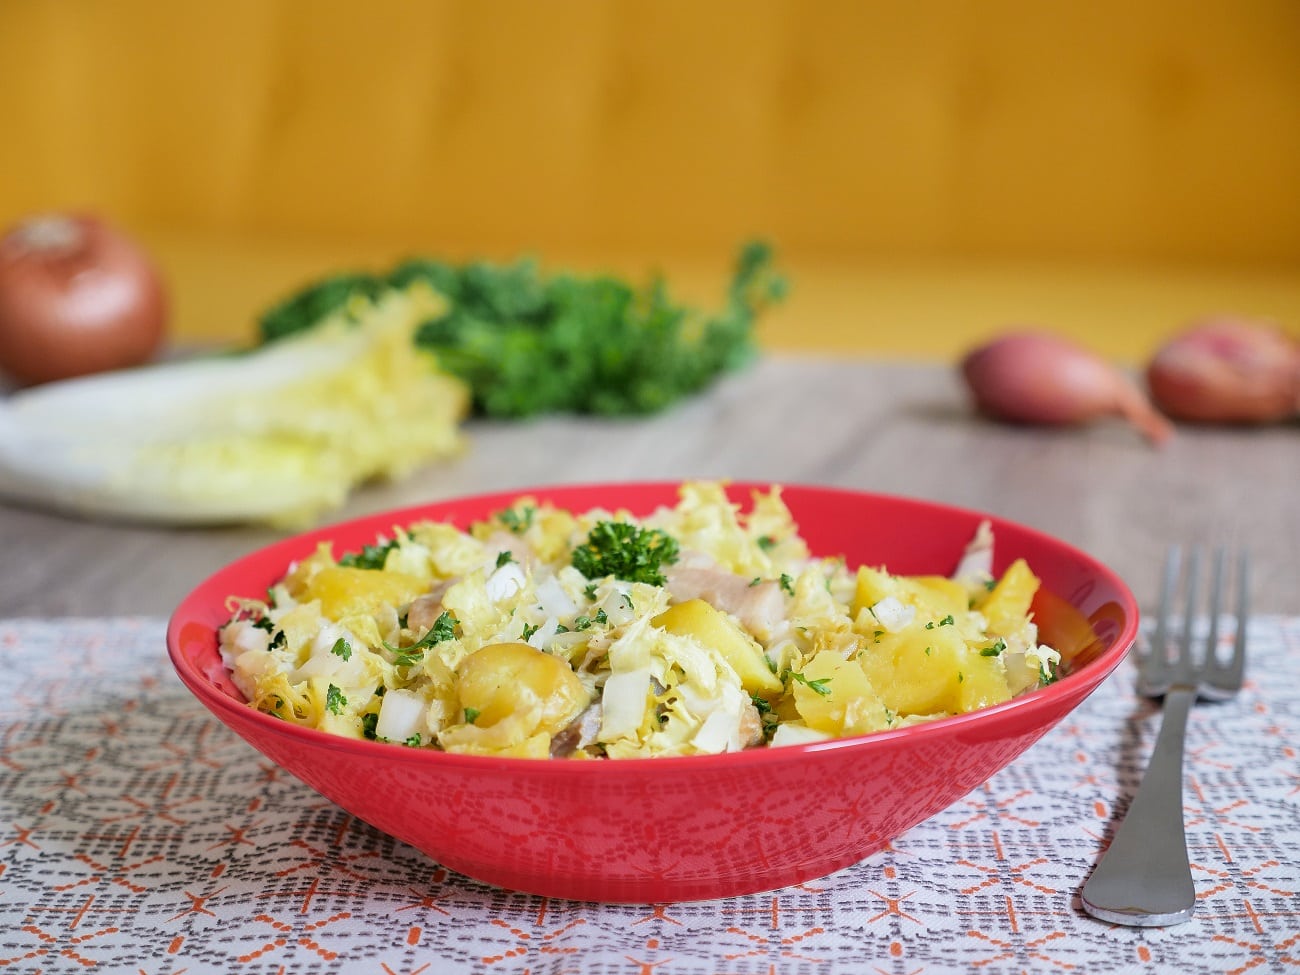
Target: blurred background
929 171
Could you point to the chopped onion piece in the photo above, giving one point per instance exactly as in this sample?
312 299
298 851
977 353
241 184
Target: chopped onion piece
400 716
246 636
623 704
554 600
505 582
797 734
719 733
893 614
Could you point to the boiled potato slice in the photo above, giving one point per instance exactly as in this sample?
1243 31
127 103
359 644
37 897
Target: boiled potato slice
505 679
933 596
834 695
938 596
872 586
346 591
712 628
1007 605
929 671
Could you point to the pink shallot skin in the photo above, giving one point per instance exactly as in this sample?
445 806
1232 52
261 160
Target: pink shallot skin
1228 370
1035 377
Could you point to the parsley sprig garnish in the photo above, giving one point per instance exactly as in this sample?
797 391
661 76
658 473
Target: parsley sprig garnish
625 551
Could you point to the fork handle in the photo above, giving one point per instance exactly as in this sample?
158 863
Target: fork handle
1144 879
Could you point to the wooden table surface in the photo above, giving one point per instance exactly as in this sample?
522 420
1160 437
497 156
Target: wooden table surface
890 427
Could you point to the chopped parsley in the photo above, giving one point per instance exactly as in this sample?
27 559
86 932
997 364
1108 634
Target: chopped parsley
819 685
335 702
406 657
471 715
278 639
504 557
518 520
755 581
342 649
443 629
946 621
590 592
625 551
369 722
994 650
370 556
529 630
585 622
787 583
766 542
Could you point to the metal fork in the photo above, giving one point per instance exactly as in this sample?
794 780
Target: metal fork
1144 879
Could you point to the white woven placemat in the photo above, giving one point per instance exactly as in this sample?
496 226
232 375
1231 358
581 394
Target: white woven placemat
139 835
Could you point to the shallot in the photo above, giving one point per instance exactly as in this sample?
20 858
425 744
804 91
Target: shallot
1227 370
76 297
1035 377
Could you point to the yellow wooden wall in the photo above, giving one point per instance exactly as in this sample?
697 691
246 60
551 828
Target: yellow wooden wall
1110 130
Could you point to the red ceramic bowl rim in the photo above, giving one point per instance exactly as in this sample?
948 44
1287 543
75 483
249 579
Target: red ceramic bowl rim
1041 701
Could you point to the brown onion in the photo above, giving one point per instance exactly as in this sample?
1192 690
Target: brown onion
1038 378
1227 370
76 297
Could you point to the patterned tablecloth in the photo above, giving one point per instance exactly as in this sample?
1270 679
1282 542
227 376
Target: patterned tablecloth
138 835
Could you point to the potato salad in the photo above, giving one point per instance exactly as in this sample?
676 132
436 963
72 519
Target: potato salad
701 628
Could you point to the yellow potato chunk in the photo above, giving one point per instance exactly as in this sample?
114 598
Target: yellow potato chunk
933 596
834 695
712 628
938 596
872 586
511 680
345 591
1006 607
932 671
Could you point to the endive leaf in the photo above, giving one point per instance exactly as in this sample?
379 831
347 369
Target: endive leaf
280 434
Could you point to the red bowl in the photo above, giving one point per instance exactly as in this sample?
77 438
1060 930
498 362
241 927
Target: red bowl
682 828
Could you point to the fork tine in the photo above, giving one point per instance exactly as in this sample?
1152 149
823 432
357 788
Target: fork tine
1216 602
1160 642
1153 654
1184 663
1237 664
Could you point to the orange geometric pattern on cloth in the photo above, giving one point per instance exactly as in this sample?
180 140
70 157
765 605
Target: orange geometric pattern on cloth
138 835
